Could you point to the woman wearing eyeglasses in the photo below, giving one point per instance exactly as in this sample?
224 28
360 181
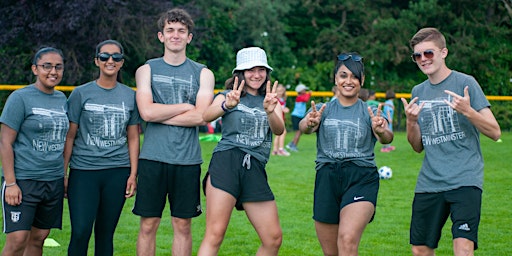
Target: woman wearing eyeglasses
32 134
102 149
347 181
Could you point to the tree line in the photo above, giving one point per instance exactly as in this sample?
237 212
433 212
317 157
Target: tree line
302 38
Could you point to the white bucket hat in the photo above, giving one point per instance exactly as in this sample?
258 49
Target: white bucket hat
251 57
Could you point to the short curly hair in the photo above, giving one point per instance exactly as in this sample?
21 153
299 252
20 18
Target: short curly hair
176 15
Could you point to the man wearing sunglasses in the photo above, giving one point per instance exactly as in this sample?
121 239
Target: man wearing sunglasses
444 118
172 93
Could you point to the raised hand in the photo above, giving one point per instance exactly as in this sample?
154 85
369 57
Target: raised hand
412 109
314 117
379 123
270 102
233 97
461 104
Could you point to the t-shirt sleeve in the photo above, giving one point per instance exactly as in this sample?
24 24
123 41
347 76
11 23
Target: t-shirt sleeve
13 113
74 106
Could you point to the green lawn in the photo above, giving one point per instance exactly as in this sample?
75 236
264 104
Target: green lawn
292 180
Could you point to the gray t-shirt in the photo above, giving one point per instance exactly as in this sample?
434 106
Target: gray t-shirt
246 127
103 116
452 144
41 122
173 85
345 134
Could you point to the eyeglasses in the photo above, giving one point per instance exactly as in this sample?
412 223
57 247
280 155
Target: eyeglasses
344 57
49 67
103 56
429 54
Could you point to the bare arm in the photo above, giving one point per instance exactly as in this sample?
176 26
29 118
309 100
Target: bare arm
380 127
412 111
68 146
7 138
133 151
150 111
273 110
194 116
311 121
486 123
483 120
215 110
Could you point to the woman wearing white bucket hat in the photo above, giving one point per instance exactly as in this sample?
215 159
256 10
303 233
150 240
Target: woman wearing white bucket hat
236 177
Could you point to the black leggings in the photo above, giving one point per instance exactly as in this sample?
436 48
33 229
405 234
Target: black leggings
95 198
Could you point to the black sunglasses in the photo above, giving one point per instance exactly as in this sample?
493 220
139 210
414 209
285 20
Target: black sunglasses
117 57
429 54
344 57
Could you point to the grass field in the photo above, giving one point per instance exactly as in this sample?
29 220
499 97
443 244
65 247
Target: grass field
292 179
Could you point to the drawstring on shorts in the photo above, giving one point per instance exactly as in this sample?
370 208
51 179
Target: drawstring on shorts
247 161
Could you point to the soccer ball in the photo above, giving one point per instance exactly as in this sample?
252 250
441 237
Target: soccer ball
385 173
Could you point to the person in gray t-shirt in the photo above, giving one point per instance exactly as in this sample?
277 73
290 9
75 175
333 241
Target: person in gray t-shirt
444 118
347 181
236 177
102 149
32 134
172 93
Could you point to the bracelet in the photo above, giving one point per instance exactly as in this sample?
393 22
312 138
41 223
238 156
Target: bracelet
10 185
223 106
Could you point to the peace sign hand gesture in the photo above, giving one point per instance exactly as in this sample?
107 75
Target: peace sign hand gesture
379 123
233 97
270 102
314 117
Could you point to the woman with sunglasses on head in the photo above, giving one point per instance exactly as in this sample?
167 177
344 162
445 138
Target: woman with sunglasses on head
32 134
347 181
102 149
236 177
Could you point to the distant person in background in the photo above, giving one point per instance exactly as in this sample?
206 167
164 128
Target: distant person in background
102 150
372 99
299 110
32 135
451 177
389 111
363 94
335 93
347 181
279 139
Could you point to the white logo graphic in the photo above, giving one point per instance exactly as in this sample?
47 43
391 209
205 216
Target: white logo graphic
15 216
465 227
356 198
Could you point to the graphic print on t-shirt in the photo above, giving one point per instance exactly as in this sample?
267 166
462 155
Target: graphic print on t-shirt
174 89
347 136
254 126
439 122
107 124
52 125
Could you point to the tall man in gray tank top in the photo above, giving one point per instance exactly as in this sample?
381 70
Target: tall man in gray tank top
172 93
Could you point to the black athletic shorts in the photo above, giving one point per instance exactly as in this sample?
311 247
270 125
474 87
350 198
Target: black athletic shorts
159 182
240 175
340 184
41 206
430 212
